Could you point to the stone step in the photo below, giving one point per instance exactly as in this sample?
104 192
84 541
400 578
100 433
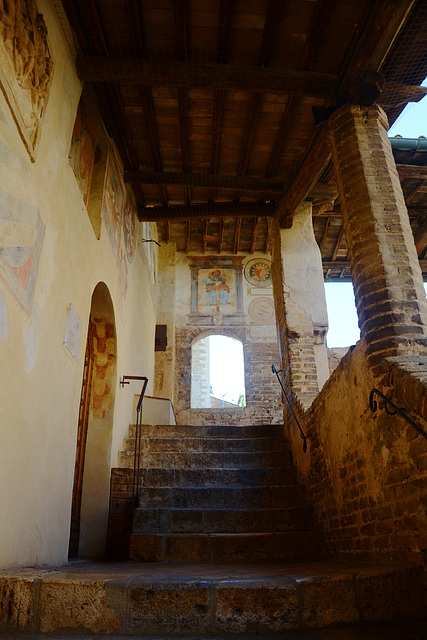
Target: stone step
209 431
208 599
185 443
221 497
203 460
223 547
252 477
164 520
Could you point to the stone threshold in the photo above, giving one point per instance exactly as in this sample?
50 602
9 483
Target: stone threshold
206 599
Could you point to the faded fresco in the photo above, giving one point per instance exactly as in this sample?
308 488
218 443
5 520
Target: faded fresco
217 289
118 214
21 237
82 152
26 66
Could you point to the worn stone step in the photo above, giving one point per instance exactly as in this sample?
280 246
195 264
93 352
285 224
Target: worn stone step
223 547
172 520
250 477
209 431
221 497
185 443
203 460
208 599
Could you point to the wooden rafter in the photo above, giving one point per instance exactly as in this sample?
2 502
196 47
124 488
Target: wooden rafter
225 30
325 233
188 238
250 129
180 10
254 234
411 171
136 27
184 129
338 244
202 211
237 234
173 73
205 235
221 235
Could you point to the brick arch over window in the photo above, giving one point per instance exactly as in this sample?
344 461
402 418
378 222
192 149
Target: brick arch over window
263 398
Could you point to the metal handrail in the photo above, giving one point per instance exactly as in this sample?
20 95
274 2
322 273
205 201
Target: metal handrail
302 434
373 405
137 451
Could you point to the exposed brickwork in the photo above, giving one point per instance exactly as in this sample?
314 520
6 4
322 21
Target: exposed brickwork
295 334
366 473
388 286
104 341
263 397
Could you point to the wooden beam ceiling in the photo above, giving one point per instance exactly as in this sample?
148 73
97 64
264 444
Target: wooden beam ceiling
204 211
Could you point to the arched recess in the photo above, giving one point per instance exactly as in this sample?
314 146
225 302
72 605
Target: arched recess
93 452
222 351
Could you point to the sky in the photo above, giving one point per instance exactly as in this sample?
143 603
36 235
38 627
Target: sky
227 373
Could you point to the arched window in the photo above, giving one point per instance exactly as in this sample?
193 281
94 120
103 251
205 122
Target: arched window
217 373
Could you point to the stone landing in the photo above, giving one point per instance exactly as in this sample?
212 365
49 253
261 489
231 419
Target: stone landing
206 599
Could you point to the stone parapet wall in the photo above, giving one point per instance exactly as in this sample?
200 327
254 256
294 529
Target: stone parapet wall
366 473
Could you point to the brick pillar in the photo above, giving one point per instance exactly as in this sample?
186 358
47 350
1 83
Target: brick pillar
301 313
387 280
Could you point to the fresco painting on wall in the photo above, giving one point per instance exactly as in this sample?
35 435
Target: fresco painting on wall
26 67
21 238
119 218
82 152
217 288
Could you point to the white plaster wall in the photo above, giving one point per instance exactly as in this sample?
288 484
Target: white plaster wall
40 381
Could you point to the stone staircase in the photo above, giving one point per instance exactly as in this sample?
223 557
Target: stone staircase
218 493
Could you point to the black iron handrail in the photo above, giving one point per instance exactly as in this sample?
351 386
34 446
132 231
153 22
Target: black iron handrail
373 405
138 430
302 434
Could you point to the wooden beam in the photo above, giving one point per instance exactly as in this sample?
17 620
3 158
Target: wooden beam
204 180
254 233
338 244
413 191
173 73
180 10
250 129
225 30
412 171
221 235
184 129
315 162
218 111
202 211
380 30
421 237
272 23
325 233
237 235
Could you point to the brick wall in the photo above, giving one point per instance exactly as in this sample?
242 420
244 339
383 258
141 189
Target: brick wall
366 473
263 396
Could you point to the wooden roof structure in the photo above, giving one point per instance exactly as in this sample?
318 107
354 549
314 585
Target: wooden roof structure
216 107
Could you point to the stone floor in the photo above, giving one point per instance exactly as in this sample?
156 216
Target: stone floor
297 600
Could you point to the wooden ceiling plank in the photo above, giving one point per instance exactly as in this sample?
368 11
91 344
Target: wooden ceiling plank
172 73
225 30
136 27
237 235
285 128
254 234
204 180
250 129
413 191
183 44
202 211
381 29
184 129
152 135
271 30
338 244
218 112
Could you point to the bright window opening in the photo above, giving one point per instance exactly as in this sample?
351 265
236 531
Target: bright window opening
342 315
217 373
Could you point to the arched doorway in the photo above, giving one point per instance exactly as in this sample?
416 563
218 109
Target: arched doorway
217 372
89 518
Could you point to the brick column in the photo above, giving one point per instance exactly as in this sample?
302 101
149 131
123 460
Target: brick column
387 280
301 313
